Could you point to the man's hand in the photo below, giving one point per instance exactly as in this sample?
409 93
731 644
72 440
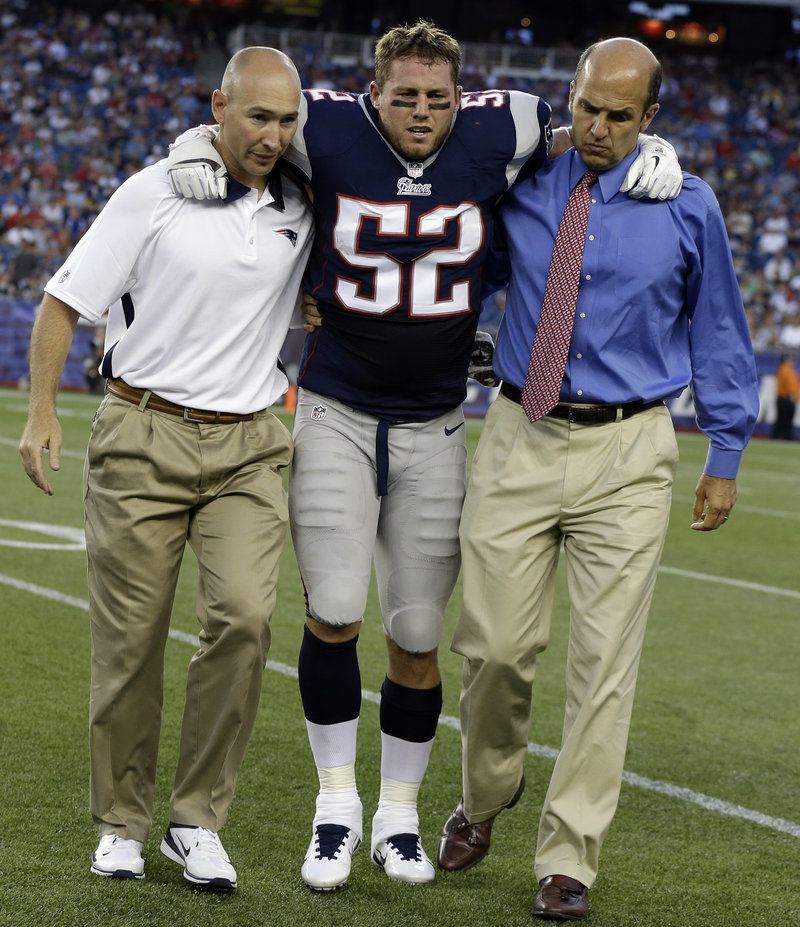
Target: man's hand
714 498
311 317
656 172
480 364
51 337
196 170
41 431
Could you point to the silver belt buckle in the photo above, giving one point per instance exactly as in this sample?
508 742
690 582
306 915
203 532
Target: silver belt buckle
199 421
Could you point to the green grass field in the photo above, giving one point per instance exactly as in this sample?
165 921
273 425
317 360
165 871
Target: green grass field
708 829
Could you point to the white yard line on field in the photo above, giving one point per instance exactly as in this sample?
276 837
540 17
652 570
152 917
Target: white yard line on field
725 581
11 442
650 785
743 507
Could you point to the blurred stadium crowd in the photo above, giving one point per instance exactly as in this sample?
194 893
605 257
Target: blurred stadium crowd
85 102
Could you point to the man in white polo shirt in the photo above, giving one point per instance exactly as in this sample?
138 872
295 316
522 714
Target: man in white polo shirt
200 296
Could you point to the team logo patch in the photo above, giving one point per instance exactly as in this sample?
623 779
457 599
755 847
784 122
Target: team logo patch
319 412
290 234
407 187
548 136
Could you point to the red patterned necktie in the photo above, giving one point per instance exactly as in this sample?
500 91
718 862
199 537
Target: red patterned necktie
551 344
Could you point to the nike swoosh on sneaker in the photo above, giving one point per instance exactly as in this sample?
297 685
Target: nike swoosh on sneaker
450 431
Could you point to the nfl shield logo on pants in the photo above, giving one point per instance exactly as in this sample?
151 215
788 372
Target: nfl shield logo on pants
318 411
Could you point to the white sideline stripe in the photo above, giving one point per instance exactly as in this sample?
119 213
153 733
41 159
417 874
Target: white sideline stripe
45 593
642 782
749 509
78 455
73 535
769 513
712 804
768 475
61 411
740 583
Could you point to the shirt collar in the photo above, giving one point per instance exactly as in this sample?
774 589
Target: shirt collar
609 181
237 190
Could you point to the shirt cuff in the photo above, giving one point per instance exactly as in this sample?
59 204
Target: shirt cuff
722 464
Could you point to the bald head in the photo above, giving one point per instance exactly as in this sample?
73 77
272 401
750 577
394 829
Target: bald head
612 99
257 108
623 59
261 63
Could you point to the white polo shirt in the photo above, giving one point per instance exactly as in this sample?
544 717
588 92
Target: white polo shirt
200 293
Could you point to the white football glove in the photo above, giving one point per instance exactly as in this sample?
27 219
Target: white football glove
480 364
656 172
196 170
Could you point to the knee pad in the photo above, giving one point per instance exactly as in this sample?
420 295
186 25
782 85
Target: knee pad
335 602
416 629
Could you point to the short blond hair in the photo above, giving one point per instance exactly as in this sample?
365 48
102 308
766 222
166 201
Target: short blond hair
423 41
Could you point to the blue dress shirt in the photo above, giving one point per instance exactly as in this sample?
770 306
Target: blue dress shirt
658 307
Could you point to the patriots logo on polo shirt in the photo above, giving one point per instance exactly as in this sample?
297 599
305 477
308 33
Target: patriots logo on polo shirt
290 234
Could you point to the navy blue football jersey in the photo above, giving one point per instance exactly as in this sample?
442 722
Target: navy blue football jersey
399 248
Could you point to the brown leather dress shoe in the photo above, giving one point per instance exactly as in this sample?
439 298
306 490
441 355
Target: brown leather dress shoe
561 898
463 845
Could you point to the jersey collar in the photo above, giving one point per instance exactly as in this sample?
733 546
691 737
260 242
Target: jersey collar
372 114
237 190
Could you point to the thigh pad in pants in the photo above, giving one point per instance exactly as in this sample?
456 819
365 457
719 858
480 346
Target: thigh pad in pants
339 523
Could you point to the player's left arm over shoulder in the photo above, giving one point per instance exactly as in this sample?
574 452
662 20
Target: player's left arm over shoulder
656 172
531 117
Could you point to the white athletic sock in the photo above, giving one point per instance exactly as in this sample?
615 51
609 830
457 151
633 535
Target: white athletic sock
403 765
333 744
334 750
404 760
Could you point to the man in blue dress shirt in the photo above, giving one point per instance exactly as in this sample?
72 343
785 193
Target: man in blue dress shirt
658 308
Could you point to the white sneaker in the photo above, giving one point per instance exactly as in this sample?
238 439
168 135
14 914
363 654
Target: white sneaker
118 857
402 858
201 854
329 856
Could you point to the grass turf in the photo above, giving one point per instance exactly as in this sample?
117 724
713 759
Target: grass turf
715 716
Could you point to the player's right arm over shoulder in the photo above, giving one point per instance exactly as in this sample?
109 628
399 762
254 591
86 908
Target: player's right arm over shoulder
195 167
50 342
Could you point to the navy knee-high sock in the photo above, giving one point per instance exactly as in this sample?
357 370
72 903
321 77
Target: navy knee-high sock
330 688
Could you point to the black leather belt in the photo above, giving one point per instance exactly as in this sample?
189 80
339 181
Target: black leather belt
586 414
123 390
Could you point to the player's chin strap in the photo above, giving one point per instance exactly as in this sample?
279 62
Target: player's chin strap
382 455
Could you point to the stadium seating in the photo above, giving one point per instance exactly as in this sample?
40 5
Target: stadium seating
117 87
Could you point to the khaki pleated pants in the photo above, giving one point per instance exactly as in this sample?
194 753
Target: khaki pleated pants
152 483
603 491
